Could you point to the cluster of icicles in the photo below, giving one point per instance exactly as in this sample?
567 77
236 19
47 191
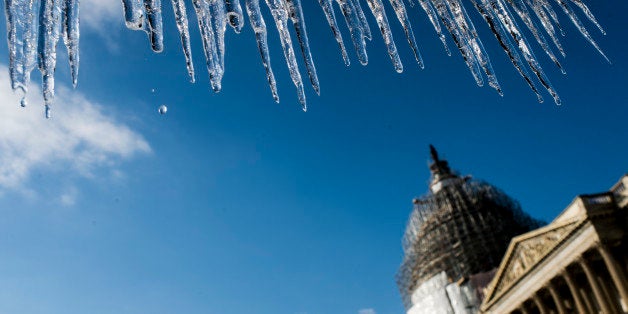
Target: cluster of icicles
35 26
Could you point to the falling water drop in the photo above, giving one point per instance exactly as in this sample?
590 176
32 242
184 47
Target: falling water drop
162 109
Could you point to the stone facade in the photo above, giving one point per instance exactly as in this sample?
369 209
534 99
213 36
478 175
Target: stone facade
576 264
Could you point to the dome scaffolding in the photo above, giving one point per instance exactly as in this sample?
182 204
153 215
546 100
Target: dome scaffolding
461 227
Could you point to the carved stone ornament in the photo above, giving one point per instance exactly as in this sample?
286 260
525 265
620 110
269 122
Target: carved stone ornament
526 251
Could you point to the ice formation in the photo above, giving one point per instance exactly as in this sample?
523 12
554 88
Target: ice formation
34 28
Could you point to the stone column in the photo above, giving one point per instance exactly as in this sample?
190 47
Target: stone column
523 310
587 298
597 291
618 276
573 288
539 304
557 300
606 285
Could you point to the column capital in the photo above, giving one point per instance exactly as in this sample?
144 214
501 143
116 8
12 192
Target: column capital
565 270
539 303
582 261
602 247
565 273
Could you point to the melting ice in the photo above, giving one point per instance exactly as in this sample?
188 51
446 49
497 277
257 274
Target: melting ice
34 28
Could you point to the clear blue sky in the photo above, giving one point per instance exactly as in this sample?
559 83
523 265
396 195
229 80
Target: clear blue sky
231 203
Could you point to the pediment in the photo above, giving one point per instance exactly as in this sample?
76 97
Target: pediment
526 251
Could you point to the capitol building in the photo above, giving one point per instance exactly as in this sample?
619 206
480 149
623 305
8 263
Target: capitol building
469 248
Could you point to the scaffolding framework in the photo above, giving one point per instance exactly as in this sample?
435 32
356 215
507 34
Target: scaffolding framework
461 227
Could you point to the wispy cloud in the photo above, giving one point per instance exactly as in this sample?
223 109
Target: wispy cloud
79 139
96 14
68 198
105 18
367 311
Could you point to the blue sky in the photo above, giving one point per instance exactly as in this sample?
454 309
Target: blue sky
231 203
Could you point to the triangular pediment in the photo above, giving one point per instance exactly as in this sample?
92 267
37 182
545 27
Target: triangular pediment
526 251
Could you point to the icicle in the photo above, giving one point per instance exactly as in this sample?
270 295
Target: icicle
380 15
15 62
402 16
548 8
30 43
259 27
467 29
363 22
234 15
219 23
588 14
524 14
22 43
154 25
296 15
429 10
467 54
49 26
331 19
355 28
537 7
576 21
71 36
181 17
509 23
134 14
503 38
280 15
201 7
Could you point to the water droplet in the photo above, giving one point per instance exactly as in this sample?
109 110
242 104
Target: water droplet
48 112
162 109
152 90
23 102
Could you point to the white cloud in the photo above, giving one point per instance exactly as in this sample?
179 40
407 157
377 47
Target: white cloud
366 311
68 198
77 140
96 14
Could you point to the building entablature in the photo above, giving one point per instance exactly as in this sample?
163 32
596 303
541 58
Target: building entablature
585 242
